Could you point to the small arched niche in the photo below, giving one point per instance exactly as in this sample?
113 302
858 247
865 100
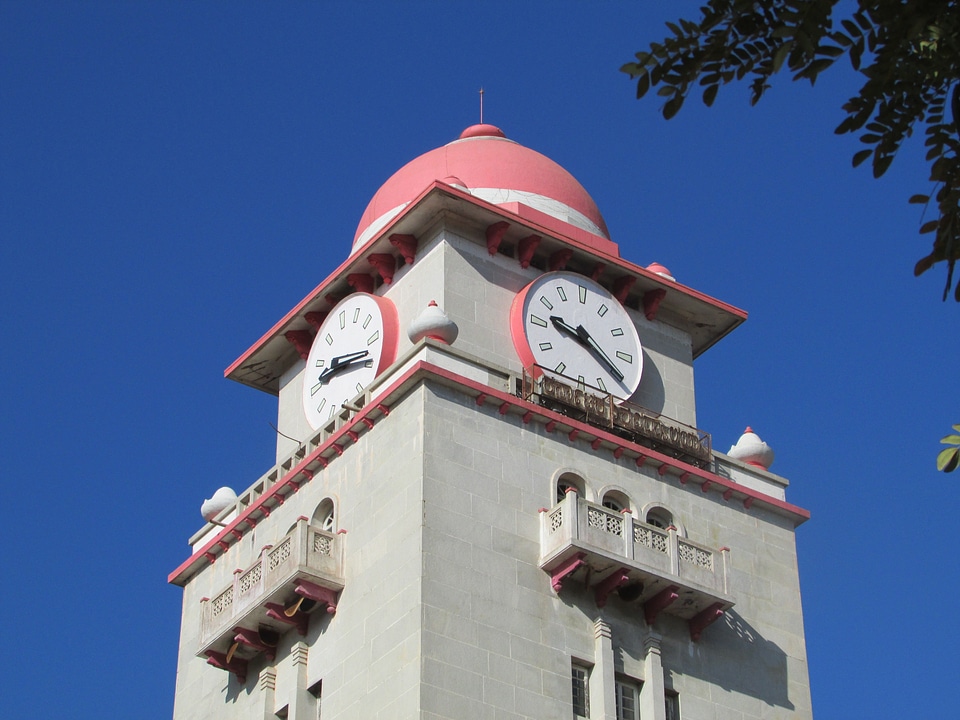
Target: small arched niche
616 500
565 481
660 516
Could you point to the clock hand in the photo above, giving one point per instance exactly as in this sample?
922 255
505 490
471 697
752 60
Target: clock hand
342 362
560 325
588 340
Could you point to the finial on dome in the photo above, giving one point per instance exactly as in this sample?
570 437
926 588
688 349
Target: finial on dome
221 500
752 450
433 323
659 269
482 130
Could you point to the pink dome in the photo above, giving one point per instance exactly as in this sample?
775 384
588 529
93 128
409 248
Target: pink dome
492 168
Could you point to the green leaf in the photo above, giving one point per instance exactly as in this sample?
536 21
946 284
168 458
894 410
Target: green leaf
880 164
919 199
672 106
643 84
948 459
950 440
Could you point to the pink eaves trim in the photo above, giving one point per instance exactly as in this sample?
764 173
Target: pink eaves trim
499 398
357 257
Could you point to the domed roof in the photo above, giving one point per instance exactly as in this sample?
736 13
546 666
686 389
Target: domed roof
486 164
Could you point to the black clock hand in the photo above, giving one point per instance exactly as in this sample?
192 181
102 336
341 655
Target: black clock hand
588 340
342 362
560 325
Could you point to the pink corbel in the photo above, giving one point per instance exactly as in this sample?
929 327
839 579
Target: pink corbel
384 409
618 452
368 422
333 298
301 341
651 302
265 510
567 567
622 286
316 317
663 469
728 493
606 586
250 521
252 638
504 407
573 434
236 665
320 594
353 435
322 460
361 282
706 485
236 533
223 545
597 271
481 398
703 619
641 459
385 264
406 244
211 557
527 417
308 474
684 477
595 445
550 426
278 496
495 235
659 602
526 247
747 503
559 260
337 449
300 620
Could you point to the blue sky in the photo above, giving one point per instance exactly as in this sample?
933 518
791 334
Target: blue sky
175 176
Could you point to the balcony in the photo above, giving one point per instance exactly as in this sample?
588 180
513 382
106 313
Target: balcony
302 573
610 551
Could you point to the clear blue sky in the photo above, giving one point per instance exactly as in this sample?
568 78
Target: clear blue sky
175 176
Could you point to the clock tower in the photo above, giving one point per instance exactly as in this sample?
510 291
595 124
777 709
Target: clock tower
491 498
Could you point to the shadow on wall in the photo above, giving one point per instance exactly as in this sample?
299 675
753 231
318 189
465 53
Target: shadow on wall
650 394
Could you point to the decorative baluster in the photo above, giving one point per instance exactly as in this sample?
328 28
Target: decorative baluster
674 543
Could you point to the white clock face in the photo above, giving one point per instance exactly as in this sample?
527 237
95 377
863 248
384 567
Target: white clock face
572 326
355 343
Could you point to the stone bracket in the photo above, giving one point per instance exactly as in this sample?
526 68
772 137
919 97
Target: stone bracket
385 264
659 602
610 583
406 244
318 593
254 639
495 235
301 341
526 247
237 666
300 620
565 568
703 619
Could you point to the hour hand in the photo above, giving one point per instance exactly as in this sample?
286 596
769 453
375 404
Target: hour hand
588 340
342 362
560 325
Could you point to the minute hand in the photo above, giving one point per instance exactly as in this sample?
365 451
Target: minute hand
588 340
342 362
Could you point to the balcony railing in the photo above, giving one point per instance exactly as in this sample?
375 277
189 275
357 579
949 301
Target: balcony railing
652 566
267 598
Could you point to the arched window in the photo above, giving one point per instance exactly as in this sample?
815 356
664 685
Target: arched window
568 481
323 516
659 517
616 501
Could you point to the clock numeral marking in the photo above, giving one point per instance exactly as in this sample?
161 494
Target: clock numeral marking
580 380
601 385
359 388
602 310
560 368
343 319
546 346
320 406
562 293
333 411
546 303
320 363
617 332
356 315
626 357
373 338
537 321
367 321
583 294
329 339
315 389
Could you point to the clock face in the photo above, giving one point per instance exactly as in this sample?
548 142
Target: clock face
355 343
572 326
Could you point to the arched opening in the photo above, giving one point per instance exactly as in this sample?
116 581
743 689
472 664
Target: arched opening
659 517
324 516
616 501
569 481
